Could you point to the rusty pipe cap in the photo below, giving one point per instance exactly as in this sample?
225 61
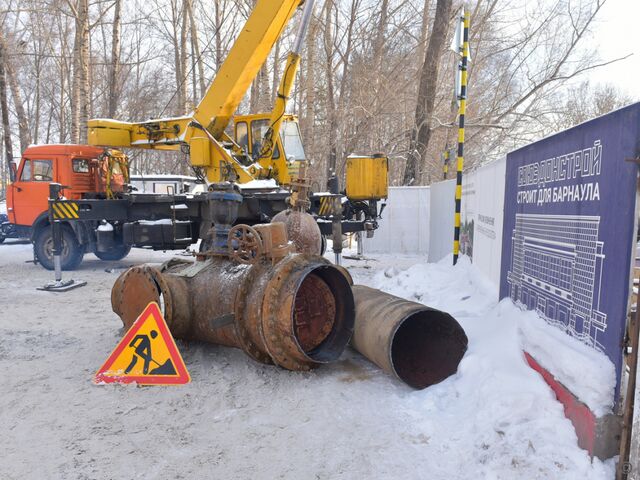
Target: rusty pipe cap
133 291
308 313
330 290
302 229
140 285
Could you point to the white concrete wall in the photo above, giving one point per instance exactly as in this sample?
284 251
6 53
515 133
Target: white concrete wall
483 202
441 219
404 226
420 220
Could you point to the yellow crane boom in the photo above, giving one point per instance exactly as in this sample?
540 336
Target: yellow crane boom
203 129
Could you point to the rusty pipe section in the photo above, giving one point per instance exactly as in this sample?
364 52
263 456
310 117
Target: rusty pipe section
296 313
419 345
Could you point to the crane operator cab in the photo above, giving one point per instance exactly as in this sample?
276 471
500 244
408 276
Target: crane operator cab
288 152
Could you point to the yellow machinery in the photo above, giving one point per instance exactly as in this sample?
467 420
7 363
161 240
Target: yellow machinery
211 149
367 177
280 155
264 146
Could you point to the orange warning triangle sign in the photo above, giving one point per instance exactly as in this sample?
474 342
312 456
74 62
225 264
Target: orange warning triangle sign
146 355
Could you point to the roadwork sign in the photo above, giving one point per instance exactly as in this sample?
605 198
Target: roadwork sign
146 355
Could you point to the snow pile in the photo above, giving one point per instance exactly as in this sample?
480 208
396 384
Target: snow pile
587 373
162 221
496 410
105 227
258 184
464 292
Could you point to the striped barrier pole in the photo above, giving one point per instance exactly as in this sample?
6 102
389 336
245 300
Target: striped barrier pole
461 112
446 163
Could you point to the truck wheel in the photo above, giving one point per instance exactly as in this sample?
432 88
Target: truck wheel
2 238
117 253
72 251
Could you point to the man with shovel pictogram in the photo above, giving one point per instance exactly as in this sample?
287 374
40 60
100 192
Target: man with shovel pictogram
142 349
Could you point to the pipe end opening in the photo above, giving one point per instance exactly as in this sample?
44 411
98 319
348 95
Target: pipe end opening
427 348
323 314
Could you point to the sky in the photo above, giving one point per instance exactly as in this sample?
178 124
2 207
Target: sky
614 35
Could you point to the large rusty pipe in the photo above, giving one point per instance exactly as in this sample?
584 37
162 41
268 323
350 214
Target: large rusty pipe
419 345
296 313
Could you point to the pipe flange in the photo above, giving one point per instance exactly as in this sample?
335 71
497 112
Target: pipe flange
133 291
277 319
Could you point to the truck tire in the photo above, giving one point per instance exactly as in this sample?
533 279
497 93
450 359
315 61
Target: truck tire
2 238
116 253
72 251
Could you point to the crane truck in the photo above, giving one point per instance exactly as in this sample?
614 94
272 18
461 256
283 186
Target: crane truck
108 220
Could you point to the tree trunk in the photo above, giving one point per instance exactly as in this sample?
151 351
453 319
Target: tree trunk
254 100
4 107
10 76
114 71
196 51
218 35
379 55
422 43
182 107
330 90
340 155
307 119
427 93
80 85
265 92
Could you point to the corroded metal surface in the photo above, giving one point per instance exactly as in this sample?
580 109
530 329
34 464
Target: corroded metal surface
314 312
302 230
297 313
132 292
140 285
419 345
278 303
244 244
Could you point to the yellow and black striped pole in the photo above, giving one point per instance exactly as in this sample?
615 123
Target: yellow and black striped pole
461 112
446 163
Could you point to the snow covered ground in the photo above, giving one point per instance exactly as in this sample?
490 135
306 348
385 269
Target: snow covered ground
496 418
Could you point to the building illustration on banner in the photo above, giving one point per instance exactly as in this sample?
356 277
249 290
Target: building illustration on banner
556 269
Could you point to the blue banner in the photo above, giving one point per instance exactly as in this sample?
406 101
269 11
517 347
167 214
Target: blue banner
568 228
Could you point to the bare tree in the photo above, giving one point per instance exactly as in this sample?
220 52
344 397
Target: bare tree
10 75
4 108
427 92
196 52
362 87
585 101
114 74
80 82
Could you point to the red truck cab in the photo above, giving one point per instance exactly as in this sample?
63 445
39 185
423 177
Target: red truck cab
86 171
80 167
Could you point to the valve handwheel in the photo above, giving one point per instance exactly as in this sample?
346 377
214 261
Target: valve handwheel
245 244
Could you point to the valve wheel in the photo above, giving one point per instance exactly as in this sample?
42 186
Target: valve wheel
245 244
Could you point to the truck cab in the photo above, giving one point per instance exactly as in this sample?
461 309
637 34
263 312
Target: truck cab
85 171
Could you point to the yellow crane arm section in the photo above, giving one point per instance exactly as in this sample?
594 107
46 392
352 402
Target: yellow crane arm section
279 109
203 130
248 54
284 89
